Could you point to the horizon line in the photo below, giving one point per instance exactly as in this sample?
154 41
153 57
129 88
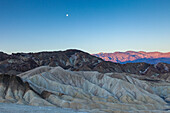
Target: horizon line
114 51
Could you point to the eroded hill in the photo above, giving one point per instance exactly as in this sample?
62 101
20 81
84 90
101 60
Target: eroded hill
88 90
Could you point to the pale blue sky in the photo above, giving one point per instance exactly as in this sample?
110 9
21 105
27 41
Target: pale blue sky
92 25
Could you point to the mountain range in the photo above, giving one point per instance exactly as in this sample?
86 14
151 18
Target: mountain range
134 57
80 81
76 60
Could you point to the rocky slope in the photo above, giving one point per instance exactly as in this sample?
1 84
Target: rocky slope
70 59
134 57
77 60
14 90
85 90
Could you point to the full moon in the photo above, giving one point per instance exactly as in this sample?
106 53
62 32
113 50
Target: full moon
66 14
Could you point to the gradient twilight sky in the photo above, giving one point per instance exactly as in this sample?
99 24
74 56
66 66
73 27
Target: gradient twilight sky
92 25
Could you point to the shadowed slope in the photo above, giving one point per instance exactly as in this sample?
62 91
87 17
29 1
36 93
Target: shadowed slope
14 90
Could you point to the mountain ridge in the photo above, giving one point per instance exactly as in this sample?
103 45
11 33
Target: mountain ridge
134 57
77 60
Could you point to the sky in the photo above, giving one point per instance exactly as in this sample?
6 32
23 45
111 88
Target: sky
91 25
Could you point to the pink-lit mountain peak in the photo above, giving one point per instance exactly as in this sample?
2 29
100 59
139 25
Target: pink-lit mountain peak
133 57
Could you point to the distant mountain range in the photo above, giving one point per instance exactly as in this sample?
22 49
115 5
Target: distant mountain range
135 57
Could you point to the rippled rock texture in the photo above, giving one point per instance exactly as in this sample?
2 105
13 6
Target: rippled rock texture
85 90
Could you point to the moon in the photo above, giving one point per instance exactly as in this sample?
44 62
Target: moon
66 14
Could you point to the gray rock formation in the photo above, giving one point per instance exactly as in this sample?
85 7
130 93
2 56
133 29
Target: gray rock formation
88 91
95 91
